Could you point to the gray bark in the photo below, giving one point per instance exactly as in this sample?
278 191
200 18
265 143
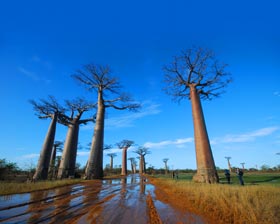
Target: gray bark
45 155
94 169
68 159
124 161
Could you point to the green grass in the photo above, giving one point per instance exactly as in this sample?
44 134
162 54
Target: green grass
17 188
250 178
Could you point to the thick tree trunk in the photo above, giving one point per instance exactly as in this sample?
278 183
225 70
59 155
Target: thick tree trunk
124 161
206 170
144 164
141 168
45 155
94 168
131 164
68 159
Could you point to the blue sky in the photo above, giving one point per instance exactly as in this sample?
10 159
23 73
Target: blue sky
43 43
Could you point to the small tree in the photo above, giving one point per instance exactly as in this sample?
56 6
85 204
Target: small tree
195 75
142 152
133 164
112 156
165 160
109 95
57 147
124 145
46 109
229 166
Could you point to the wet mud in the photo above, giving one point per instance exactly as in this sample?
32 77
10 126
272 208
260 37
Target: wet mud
124 200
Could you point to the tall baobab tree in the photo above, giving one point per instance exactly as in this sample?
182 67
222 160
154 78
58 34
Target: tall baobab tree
57 146
229 166
112 156
46 109
165 160
142 152
132 164
196 75
124 145
109 95
68 159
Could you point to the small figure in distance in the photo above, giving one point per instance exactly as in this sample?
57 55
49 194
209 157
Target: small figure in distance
239 173
227 174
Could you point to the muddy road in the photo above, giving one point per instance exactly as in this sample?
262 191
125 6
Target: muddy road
121 200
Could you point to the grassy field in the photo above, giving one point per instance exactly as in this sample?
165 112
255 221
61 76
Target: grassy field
16 188
256 202
250 178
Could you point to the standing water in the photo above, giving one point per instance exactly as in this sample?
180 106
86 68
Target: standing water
121 200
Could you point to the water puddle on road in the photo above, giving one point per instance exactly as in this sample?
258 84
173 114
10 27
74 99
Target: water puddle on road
121 200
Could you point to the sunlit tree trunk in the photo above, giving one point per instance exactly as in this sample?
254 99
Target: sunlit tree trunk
94 168
68 159
124 161
206 170
45 155
141 164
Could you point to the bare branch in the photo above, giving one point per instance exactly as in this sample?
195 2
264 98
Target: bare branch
197 67
125 144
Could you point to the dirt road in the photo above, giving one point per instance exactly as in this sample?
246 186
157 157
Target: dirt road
109 201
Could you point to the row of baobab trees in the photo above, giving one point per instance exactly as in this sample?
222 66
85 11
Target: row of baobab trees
195 74
124 145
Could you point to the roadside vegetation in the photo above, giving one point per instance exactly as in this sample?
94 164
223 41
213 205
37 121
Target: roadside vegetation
256 202
7 188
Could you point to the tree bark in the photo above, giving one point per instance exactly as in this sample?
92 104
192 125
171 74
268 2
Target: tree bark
141 164
94 168
52 163
45 155
124 161
68 159
206 170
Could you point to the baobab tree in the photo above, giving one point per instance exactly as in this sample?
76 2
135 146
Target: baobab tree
68 159
109 95
229 166
57 147
112 156
165 160
124 145
46 109
133 164
196 75
142 152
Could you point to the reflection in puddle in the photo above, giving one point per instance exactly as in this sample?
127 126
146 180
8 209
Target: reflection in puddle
121 200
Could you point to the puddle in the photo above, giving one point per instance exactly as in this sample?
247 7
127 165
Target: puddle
121 200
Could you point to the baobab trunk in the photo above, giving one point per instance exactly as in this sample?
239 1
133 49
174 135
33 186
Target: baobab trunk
68 159
141 163
94 169
52 163
206 170
111 163
45 155
124 161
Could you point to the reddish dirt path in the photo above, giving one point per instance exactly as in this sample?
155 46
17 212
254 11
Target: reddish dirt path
126 200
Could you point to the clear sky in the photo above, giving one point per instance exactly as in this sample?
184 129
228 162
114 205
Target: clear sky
42 43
